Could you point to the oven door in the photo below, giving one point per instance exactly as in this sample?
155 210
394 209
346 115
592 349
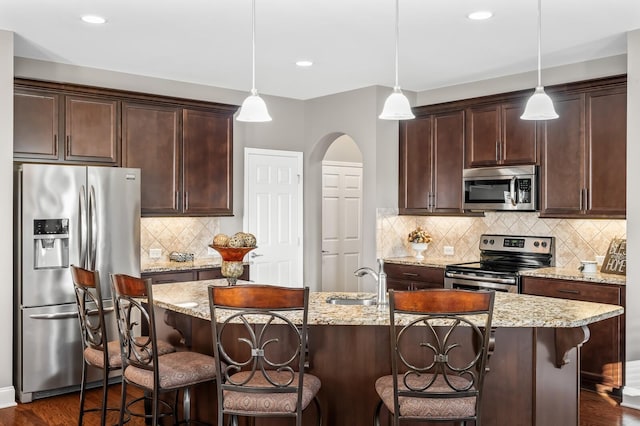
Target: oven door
464 282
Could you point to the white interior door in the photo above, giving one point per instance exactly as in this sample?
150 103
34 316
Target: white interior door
273 213
341 225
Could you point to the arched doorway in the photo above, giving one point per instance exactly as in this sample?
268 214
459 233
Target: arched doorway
341 215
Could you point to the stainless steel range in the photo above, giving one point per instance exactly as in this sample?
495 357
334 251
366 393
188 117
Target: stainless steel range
502 257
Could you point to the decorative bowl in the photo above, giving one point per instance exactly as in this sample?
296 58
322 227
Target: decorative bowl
232 266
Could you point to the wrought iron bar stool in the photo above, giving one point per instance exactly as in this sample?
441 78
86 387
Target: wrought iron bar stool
260 344
142 364
97 350
440 344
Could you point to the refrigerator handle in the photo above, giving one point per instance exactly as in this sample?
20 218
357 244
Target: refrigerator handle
93 229
82 221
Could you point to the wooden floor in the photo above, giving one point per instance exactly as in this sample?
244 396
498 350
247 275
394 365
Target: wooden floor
595 410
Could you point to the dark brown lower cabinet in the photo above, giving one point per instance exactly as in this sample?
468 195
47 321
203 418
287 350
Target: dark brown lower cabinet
190 275
603 355
413 277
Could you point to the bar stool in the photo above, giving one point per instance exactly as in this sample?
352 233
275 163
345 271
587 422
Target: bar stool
94 337
142 364
260 363
440 343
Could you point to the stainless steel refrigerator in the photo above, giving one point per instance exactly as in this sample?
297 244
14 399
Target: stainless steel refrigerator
66 215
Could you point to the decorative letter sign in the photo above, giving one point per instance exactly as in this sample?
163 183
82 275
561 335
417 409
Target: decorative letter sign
615 262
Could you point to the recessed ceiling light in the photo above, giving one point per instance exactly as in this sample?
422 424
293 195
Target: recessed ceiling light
93 19
480 15
304 64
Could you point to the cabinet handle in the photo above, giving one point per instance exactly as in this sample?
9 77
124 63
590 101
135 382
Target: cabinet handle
175 200
55 145
186 200
586 199
68 145
497 150
409 274
568 291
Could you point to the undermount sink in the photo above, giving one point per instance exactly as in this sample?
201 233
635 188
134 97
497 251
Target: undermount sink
355 299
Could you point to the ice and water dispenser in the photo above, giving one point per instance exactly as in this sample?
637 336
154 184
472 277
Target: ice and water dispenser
51 243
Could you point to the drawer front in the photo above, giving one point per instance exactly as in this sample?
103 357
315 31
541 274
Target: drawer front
170 277
415 273
574 290
209 274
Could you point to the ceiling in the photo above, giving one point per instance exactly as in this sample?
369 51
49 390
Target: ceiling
351 42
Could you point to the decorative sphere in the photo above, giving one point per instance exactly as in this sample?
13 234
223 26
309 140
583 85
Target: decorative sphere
221 240
236 241
249 240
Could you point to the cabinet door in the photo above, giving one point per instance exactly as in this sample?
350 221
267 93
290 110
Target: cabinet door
562 160
415 165
448 162
169 277
35 124
483 136
207 163
607 142
91 129
602 356
151 142
518 142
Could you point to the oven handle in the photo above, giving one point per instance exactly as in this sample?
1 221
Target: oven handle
482 279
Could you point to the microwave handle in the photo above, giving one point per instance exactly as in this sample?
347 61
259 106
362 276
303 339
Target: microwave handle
512 189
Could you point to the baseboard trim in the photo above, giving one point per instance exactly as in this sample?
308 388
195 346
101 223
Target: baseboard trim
7 397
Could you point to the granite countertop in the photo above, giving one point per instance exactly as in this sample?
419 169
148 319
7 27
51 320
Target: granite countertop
552 272
576 275
510 310
170 266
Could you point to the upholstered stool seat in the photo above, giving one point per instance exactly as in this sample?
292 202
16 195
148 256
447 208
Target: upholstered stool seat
427 408
272 403
95 356
175 370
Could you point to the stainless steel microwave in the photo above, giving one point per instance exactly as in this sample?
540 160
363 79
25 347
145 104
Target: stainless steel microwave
501 188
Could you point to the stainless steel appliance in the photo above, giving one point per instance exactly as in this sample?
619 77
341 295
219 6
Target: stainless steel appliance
87 216
502 257
501 188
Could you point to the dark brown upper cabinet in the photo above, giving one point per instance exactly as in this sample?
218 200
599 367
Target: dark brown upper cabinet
91 129
496 135
583 153
151 141
185 156
53 126
207 141
431 163
35 124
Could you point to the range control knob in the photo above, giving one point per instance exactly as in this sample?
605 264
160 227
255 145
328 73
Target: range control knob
485 241
536 243
491 242
544 244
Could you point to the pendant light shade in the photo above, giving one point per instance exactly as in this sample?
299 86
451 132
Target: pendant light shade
253 108
539 106
397 107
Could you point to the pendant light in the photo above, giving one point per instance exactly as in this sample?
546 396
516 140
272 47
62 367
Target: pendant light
253 108
539 106
397 107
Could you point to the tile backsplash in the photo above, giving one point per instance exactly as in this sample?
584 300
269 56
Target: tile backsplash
183 234
576 239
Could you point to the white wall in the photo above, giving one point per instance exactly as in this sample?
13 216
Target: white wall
7 394
604 67
633 204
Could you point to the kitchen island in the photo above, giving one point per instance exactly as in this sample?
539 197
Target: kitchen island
534 376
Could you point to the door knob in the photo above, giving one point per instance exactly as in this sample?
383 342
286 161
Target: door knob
255 255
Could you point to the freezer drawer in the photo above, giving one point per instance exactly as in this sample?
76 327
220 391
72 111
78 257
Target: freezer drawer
50 354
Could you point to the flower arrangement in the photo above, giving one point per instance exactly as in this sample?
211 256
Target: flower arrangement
419 235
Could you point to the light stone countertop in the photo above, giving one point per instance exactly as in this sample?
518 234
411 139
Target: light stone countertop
510 310
171 266
434 262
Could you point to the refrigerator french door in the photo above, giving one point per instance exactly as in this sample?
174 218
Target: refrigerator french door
66 215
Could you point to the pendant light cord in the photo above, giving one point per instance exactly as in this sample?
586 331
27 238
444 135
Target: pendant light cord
539 43
397 37
253 47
